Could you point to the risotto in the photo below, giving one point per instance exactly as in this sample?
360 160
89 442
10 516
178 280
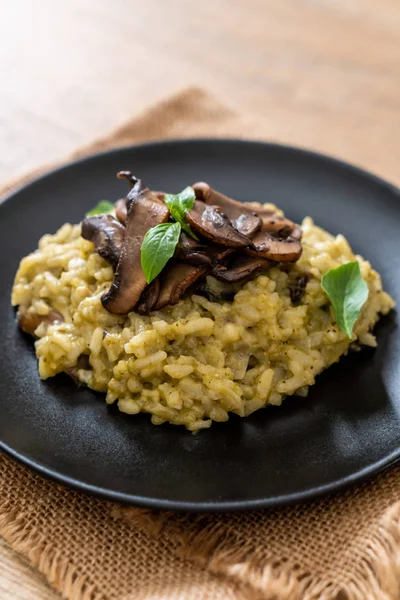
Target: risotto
199 360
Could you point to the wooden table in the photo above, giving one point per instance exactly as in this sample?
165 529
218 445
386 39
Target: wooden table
73 70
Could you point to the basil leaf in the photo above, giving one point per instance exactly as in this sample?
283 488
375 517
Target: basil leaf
348 293
158 246
103 207
179 205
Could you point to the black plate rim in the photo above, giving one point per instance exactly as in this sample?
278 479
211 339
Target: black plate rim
199 141
205 507
213 506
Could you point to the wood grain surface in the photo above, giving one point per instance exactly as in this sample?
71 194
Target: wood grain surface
72 70
18 581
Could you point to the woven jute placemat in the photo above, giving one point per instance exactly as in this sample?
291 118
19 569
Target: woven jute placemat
345 547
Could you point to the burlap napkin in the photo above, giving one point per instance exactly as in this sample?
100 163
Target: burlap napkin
346 547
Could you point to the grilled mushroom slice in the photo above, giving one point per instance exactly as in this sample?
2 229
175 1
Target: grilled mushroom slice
144 210
237 210
279 246
277 250
248 224
107 234
192 251
243 218
280 227
120 205
213 224
241 269
160 195
149 297
237 241
232 208
216 290
174 282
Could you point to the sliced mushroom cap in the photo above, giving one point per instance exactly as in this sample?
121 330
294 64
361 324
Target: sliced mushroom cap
241 269
160 195
213 224
219 253
216 290
120 206
192 251
278 226
197 253
232 208
279 250
248 224
107 234
237 210
296 235
175 280
149 297
144 211
135 184
238 240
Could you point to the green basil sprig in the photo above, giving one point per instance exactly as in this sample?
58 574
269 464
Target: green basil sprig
159 243
179 205
158 247
103 207
347 292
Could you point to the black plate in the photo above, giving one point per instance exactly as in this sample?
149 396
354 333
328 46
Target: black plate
348 427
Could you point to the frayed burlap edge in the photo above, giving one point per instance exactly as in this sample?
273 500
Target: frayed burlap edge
62 574
211 545
42 554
